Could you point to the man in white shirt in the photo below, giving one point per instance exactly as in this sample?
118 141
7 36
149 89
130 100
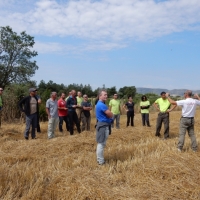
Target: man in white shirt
187 120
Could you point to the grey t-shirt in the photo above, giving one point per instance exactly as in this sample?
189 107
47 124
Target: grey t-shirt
53 107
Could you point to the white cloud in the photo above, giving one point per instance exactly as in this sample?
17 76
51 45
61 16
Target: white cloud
103 20
54 47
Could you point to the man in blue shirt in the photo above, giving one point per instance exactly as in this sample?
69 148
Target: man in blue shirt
104 117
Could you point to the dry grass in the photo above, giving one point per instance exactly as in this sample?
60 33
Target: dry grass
139 165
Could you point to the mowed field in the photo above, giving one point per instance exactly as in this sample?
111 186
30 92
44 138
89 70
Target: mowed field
139 165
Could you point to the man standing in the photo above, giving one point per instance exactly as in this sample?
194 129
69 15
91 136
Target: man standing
62 112
187 120
73 118
85 115
114 107
29 105
163 106
38 117
104 117
52 112
79 108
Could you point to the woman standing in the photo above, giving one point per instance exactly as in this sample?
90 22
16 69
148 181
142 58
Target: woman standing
144 105
129 107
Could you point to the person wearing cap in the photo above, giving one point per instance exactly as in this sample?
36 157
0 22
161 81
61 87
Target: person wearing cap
163 106
29 105
114 107
187 119
52 112
1 102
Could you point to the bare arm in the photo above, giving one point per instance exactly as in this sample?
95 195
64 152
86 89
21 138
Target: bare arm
156 106
171 101
124 106
87 108
108 113
48 113
197 96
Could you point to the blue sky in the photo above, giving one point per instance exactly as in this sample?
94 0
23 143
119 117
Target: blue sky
142 43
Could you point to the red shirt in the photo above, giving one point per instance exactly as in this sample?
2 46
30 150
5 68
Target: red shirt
62 104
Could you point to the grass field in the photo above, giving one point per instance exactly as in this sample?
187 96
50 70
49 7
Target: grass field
139 165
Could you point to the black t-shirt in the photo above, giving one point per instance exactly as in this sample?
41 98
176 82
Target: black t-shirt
86 104
130 106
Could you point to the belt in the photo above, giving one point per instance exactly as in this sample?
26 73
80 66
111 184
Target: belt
188 117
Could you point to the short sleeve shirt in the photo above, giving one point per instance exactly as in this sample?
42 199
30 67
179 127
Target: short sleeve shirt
79 100
86 104
115 104
100 112
53 107
164 104
188 106
62 104
144 103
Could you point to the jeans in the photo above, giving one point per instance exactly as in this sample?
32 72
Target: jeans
117 118
85 122
187 124
66 120
100 148
145 118
162 117
31 120
73 118
53 122
130 116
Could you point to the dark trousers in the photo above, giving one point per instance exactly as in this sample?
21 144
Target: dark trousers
66 120
163 118
130 116
145 119
31 120
73 119
38 124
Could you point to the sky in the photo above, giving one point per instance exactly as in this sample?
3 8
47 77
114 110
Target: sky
142 43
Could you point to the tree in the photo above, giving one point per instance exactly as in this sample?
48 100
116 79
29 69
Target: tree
16 64
127 91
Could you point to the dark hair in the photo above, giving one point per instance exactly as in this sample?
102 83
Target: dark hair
144 96
162 93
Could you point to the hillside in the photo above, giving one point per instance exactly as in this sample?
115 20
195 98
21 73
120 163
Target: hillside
139 165
175 92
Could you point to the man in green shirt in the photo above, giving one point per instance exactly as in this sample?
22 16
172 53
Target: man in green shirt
114 107
163 106
79 109
1 103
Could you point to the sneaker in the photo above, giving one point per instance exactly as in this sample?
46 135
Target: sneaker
179 150
194 151
26 138
102 163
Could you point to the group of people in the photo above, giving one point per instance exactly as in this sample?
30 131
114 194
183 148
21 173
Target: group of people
75 110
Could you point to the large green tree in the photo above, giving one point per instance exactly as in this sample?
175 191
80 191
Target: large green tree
16 53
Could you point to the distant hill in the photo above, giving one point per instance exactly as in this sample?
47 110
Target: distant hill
174 92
